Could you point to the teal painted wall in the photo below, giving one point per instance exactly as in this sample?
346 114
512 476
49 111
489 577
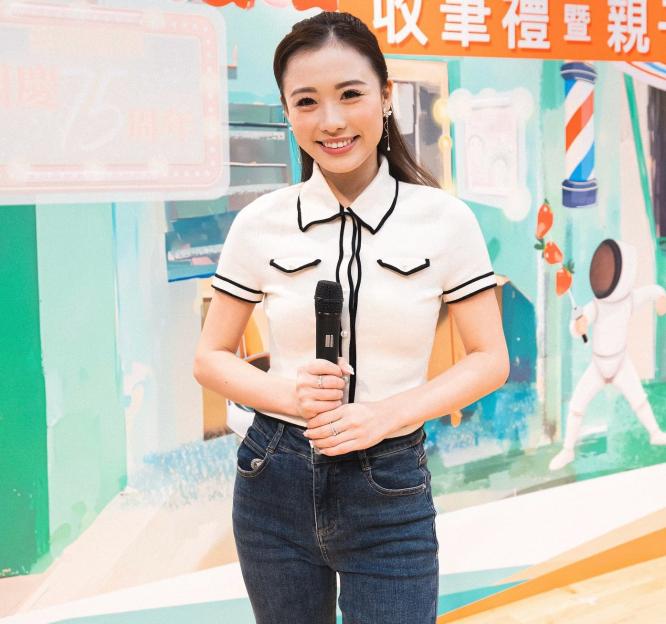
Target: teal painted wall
159 323
256 43
24 521
577 232
86 429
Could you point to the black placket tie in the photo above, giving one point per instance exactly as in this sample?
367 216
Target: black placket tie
355 258
353 287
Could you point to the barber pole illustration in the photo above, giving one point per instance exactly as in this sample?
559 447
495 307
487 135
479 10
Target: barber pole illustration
579 189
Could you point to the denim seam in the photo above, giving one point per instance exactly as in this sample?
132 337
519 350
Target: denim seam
257 448
293 451
322 546
334 525
416 489
428 495
397 449
267 452
249 474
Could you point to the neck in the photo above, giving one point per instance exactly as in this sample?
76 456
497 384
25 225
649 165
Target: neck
349 185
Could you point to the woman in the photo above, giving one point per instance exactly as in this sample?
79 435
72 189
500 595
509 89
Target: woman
332 475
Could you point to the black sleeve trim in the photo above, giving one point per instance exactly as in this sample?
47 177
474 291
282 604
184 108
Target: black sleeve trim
476 292
446 292
285 270
386 265
226 292
226 279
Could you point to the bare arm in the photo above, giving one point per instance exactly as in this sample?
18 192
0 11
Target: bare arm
217 367
484 369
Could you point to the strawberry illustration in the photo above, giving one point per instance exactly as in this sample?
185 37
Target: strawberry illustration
544 220
552 254
563 278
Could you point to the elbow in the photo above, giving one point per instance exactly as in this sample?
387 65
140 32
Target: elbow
198 369
209 366
503 369
196 372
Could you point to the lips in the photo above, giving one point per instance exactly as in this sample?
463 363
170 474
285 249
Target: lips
338 146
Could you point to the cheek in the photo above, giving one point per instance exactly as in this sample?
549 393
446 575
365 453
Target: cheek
303 132
371 121
374 127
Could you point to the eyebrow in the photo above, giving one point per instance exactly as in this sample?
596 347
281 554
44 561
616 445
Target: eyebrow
340 85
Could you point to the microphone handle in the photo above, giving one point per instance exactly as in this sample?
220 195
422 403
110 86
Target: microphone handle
328 337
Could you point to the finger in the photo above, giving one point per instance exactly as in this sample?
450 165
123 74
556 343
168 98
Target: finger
313 409
345 447
345 366
327 394
323 367
319 433
330 440
323 419
325 430
328 381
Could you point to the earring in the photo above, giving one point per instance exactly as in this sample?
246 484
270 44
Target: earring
387 114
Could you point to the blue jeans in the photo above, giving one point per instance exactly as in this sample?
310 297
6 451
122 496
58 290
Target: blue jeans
300 517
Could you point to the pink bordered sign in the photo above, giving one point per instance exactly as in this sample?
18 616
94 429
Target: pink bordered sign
112 103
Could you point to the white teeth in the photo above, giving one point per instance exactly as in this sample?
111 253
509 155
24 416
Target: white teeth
338 144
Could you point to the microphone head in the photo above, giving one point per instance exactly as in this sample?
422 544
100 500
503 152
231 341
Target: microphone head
328 297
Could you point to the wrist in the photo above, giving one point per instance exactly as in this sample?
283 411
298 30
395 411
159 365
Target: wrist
388 416
292 398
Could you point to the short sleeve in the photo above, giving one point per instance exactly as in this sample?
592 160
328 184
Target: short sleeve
238 270
468 269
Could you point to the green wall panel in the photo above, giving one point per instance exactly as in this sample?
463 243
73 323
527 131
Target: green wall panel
24 521
85 415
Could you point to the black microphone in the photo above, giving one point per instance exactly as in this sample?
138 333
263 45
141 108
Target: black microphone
328 311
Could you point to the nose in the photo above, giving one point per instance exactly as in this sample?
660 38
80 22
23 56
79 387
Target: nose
332 118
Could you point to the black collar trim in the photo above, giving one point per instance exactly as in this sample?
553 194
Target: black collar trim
303 227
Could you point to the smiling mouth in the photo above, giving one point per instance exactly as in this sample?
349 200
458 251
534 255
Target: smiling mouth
338 144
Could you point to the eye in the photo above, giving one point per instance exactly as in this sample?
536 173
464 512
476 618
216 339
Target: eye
351 93
305 102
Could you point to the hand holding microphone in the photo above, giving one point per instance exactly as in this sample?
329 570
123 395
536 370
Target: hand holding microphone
319 387
320 383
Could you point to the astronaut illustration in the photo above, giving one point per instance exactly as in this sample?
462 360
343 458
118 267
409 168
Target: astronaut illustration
612 277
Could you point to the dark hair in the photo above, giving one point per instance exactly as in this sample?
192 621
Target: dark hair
315 32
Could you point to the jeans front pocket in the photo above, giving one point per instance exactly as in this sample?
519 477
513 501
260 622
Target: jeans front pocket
396 473
252 456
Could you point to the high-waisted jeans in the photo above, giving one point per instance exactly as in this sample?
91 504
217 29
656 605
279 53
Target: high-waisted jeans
300 517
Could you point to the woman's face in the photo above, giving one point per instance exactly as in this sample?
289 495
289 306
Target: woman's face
335 107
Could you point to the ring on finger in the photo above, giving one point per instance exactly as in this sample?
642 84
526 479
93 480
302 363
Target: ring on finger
333 427
320 383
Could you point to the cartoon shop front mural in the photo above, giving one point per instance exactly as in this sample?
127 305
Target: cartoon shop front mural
546 117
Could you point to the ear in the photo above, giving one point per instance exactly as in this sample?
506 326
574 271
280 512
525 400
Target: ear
387 93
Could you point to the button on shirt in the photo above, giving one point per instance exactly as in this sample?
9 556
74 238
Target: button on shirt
398 251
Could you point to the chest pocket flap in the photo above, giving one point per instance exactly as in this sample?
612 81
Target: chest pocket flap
291 264
403 264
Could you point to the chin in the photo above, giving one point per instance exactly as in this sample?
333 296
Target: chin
339 164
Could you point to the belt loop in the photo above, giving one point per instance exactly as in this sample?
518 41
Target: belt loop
276 438
363 458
